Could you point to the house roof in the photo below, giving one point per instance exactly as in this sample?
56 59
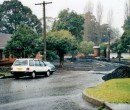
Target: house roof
4 38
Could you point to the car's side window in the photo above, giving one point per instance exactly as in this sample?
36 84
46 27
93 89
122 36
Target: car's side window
37 63
31 63
42 64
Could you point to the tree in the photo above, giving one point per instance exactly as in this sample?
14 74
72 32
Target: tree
61 42
71 22
115 33
99 19
127 9
99 12
74 48
89 7
110 18
104 34
49 23
126 25
86 47
24 43
89 22
12 13
125 39
103 48
90 28
118 48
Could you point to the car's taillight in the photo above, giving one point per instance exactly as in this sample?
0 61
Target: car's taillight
11 68
27 69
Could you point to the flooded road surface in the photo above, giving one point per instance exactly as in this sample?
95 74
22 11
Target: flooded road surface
60 91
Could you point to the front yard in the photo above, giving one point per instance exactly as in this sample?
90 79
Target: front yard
113 91
5 71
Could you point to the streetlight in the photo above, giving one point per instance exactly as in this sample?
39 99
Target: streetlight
108 46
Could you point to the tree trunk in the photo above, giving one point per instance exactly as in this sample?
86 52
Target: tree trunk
119 55
61 60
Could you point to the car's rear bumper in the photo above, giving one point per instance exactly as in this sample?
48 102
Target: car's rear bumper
20 74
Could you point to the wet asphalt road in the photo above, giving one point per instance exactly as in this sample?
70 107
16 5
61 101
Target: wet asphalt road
60 91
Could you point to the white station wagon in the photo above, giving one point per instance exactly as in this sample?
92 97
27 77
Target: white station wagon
29 67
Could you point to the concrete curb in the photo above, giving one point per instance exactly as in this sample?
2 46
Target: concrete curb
95 101
10 76
4 77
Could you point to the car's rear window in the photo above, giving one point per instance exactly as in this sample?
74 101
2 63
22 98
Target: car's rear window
20 63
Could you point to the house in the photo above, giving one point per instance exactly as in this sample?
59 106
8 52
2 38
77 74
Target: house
4 38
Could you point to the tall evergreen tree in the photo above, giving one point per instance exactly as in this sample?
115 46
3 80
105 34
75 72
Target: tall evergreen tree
126 25
12 13
90 28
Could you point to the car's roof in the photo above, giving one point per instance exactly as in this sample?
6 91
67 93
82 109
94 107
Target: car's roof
47 62
26 59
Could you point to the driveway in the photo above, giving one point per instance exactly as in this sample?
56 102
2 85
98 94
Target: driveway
60 91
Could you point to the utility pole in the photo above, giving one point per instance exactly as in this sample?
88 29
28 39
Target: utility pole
108 51
44 25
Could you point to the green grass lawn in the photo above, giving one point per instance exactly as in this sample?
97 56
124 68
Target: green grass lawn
5 73
114 91
127 58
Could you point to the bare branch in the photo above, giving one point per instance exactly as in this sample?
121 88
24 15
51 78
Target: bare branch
99 12
89 7
110 18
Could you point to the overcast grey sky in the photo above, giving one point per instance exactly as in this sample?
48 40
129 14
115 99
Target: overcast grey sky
52 10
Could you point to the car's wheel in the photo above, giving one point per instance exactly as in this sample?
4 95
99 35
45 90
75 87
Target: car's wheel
16 77
33 75
51 72
48 73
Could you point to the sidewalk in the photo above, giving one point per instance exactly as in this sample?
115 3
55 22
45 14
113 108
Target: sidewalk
118 106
